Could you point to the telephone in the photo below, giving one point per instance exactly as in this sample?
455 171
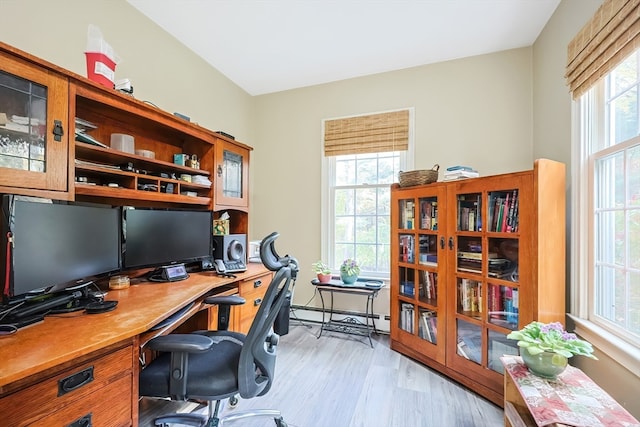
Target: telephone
219 266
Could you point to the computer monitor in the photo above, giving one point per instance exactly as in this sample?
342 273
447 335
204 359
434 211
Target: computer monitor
59 245
154 237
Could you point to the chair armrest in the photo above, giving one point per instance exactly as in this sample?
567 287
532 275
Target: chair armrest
224 300
187 343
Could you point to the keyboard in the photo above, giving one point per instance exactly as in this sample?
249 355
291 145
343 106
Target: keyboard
173 318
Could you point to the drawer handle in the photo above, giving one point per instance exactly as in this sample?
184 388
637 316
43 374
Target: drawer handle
75 381
257 301
257 283
82 422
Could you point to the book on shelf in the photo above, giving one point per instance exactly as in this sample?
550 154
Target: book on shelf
407 243
428 324
468 350
406 319
408 215
428 214
429 283
476 255
503 211
470 295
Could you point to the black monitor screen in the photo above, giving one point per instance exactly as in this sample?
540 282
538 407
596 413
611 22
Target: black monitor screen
161 237
59 245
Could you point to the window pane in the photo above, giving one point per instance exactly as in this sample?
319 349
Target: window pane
610 237
365 201
633 162
388 167
345 170
384 201
610 181
634 238
344 202
625 121
345 226
634 303
625 74
366 229
367 172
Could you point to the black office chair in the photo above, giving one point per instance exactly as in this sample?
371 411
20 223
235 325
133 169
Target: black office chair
216 365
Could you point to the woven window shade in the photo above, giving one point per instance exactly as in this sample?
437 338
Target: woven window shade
372 133
611 35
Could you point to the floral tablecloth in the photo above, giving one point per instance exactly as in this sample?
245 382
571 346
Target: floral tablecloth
572 399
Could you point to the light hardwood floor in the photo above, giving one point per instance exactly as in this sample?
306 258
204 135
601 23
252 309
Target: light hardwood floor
339 380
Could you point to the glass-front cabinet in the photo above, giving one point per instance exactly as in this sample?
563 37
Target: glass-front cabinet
417 246
471 261
33 129
231 175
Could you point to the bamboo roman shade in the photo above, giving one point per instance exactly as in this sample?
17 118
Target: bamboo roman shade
603 43
372 133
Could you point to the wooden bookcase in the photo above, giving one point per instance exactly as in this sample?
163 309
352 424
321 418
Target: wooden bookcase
472 260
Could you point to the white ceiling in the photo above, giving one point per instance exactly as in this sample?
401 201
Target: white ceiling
267 46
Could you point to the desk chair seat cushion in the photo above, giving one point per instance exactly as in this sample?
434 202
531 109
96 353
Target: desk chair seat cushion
220 362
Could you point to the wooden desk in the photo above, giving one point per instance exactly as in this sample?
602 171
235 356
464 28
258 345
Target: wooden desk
36 360
573 399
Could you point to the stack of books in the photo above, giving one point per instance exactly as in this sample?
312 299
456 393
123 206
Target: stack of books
460 172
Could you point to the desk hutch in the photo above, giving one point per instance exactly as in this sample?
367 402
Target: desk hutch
472 260
66 370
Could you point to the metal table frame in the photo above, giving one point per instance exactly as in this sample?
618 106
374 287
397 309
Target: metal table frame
349 324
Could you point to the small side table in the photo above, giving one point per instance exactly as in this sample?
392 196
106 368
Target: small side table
572 399
349 324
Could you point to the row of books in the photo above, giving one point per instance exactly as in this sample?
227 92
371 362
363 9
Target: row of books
407 215
428 214
504 306
503 211
407 288
498 267
407 247
406 317
429 285
469 213
470 295
428 327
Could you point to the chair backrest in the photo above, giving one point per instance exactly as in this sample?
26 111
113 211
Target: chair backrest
258 356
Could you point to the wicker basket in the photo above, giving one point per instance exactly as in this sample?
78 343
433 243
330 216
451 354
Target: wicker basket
419 177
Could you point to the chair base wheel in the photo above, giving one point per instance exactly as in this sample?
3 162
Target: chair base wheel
280 422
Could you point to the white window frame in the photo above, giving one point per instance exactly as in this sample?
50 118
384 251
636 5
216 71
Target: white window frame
327 221
599 332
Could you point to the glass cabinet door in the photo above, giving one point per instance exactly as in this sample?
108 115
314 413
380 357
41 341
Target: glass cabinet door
232 175
486 279
33 128
417 251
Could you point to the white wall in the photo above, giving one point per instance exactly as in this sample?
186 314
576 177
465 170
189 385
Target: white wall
161 70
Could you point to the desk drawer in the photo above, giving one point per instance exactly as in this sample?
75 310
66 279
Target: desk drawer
110 407
252 291
72 386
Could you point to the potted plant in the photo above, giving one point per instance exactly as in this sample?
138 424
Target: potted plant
545 347
322 270
349 270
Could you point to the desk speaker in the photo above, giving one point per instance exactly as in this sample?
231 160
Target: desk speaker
230 247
